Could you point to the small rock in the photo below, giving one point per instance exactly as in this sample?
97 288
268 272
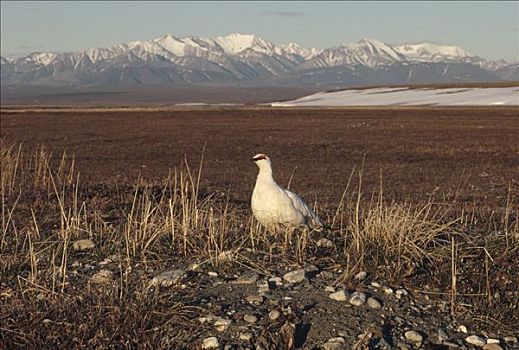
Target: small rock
492 346
254 299
324 243
340 295
311 268
46 320
510 339
210 343
221 324
250 318
276 281
493 341
274 315
168 278
102 277
388 290
83 244
249 277
329 289
401 292
205 319
462 329
358 299
413 336
450 344
374 303
263 286
212 274
334 344
296 276
376 284
326 275
245 336
475 340
361 276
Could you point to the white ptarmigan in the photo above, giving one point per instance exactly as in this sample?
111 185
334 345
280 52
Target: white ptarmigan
275 207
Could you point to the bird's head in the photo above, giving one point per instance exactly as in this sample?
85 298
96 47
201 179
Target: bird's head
261 160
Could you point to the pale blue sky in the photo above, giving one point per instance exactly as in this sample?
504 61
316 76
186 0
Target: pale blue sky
489 29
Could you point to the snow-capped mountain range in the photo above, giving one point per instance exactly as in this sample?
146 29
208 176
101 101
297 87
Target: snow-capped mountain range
248 59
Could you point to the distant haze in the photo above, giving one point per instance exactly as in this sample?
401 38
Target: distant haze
487 29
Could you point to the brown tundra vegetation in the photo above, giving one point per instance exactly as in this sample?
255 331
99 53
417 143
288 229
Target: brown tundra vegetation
131 228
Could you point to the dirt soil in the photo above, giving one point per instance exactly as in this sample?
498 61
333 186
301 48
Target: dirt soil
473 152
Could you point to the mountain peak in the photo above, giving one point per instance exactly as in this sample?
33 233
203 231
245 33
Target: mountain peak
432 52
238 56
237 42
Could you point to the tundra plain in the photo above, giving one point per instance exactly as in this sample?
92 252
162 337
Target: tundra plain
420 198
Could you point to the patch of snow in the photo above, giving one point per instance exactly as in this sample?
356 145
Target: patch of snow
508 96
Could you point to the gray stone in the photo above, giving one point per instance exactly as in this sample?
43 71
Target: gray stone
413 336
324 243
274 315
492 346
221 324
475 340
83 244
373 303
263 286
401 292
249 277
334 344
462 329
245 336
212 274
210 343
276 281
254 299
168 278
450 344
361 276
358 299
102 277
250 318
340 295
510 339
294 277
311 268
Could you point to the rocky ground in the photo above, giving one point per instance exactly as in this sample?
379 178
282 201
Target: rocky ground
307 307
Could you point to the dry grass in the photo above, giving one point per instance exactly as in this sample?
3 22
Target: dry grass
45 209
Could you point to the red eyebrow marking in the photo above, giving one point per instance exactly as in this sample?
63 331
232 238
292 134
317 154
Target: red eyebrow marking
262 156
